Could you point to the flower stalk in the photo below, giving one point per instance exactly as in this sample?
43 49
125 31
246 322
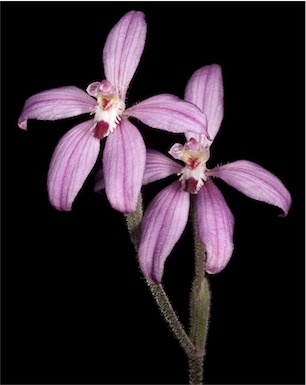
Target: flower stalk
170 316
195 370
199 306
200 293
194 344
133 222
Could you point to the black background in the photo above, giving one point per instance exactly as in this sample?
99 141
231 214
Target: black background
75 308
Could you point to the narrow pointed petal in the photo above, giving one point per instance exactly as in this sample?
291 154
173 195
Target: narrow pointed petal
159 166
72 161
124 160
170 113
57 103
215 226
205 89
123 49
163 224
255 182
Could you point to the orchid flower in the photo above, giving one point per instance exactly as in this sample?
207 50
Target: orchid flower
124 153
166 216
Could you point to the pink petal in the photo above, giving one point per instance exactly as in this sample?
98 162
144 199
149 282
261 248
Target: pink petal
123 49
163 224
205 89
73 159
215 226
58 103
159 166
124 160
202 139
170 113
177 151
255 182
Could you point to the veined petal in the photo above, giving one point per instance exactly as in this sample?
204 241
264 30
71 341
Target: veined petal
215 226
124 160
170 113
205 89
57 103
159 166
123 49
163 224
73 159
255 182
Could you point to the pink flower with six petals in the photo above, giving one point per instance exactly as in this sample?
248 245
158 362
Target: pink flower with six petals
124 154
167 214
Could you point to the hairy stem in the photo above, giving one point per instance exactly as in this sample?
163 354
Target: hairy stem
170 316
196 370
199 307
133 222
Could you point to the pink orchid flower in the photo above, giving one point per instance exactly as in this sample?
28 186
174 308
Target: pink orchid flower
166 216
124 154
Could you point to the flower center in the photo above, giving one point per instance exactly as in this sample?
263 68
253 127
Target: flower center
108 110
195 156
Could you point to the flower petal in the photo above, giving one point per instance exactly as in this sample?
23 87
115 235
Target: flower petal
57 103
123 49
205 89
255 182
170 113
215 226
159 166
124 160
73 159
163 224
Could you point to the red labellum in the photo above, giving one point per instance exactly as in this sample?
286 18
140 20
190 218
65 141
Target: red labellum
191 185
100 129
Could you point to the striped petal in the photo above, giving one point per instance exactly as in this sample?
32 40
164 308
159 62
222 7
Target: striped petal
205 89
255 182
170 113
159 166
123 49
57 103
124 160
163 224
215 226
73 159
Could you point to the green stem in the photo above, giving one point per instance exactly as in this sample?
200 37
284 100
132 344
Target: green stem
170 316
133 222
199 307
195 370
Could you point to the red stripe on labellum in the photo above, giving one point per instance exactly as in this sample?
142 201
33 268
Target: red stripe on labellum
100 130
191 185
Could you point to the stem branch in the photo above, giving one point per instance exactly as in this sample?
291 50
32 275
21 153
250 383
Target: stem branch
170 316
